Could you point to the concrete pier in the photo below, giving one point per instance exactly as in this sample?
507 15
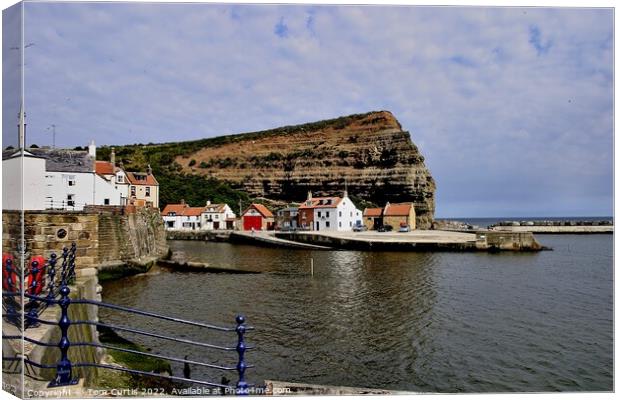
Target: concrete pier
422 240
269 239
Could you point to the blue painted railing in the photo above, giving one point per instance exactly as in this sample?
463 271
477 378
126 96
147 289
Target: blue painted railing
43 274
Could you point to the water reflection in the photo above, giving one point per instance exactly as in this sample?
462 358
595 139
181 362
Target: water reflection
410 321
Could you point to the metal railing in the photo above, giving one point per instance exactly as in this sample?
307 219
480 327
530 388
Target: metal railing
47 287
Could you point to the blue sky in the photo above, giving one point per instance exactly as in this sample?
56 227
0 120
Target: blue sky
511 107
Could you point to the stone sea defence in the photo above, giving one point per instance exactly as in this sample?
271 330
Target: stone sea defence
107 237
369 153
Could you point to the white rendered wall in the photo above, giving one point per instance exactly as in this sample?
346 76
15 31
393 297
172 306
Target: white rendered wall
33 188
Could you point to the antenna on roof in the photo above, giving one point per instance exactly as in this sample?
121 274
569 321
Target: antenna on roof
53 126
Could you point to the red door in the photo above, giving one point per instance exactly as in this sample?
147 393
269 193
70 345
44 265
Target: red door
252 221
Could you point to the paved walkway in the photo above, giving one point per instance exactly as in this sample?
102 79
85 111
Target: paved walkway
269 239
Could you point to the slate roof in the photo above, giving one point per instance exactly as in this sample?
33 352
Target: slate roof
61 160
321 202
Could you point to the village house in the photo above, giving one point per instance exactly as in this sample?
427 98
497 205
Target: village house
399 214
373 218
286 218
257 217
217 216
329 213
182 217
143 188
57 179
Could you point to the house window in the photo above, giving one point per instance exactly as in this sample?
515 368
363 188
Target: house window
327 224
70 179
340 213
133 191
71 200
216 216
327 214
172 213
106 202
319 214
170 224
119 179
339 224
148 191
351 214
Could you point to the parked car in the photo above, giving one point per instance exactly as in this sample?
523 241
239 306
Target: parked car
359 228
404 228
385 228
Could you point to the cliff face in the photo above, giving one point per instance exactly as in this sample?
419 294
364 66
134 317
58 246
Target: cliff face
370 151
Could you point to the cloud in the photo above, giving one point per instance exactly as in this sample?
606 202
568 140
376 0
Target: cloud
506 106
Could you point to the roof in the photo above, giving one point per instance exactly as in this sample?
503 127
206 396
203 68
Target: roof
104 168
182 210
264 211
62 160
7 154
141 178
217 208
397 209
373 212
321 202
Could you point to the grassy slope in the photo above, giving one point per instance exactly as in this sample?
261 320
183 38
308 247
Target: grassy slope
195 189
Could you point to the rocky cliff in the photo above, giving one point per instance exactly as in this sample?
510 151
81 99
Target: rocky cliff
370 152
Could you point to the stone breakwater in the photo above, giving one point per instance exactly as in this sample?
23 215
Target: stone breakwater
555 227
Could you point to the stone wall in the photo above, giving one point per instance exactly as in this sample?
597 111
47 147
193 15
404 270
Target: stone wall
103 235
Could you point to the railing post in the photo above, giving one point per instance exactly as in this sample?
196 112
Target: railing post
71 271
51 273
63 267
32 306
242 386
63 368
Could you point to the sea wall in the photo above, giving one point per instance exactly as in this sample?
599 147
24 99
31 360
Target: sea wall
104 235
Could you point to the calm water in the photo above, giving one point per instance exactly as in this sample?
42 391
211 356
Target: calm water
439 322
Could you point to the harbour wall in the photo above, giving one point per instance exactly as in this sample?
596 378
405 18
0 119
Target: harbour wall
105 236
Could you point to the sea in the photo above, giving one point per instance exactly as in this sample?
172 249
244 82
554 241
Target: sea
439 322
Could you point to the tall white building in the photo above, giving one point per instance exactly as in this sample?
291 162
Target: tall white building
332 213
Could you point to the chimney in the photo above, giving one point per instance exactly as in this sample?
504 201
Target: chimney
208 202
149 170
92 149
113 157
182 201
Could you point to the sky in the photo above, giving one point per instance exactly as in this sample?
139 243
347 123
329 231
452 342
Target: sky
512 108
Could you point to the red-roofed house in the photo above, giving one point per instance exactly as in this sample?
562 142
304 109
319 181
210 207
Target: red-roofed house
257 217
143 188
182 216
398 214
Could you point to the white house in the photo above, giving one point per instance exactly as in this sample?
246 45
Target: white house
182 217
217 216
332 213
71 179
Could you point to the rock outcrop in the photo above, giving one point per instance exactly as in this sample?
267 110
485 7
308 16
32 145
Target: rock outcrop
370 153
